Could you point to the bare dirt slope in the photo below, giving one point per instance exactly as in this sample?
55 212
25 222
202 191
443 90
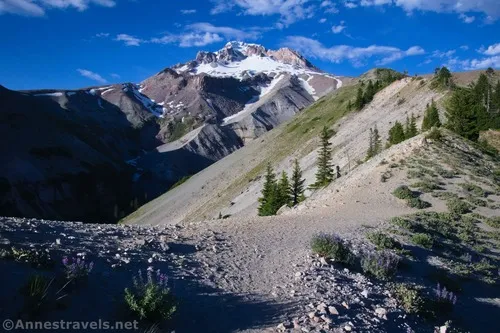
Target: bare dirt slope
232 186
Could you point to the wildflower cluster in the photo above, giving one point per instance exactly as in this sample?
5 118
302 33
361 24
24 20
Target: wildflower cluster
382 265
150 297
445 296
76 268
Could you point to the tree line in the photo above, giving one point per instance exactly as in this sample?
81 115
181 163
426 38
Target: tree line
277 193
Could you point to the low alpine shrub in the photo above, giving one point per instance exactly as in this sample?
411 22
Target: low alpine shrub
403 192
150 298
332 247
423 240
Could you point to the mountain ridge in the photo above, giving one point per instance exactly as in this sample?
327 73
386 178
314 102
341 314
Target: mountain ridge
204 116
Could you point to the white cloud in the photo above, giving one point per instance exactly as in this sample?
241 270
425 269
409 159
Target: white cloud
488 7
492 50
21 7
102 35
228 32
189 39
290 11
350 5
201 34
467 19
464 47
322 20
328 7
115 76
443 54
336 29
129 40
493 62
356 55
198 39
38 7
91 75
188 11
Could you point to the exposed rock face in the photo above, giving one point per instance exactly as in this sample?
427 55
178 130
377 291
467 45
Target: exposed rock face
63 155
288 56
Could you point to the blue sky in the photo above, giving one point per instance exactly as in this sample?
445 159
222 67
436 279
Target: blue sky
78 43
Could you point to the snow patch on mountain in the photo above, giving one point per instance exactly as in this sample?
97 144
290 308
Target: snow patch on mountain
307 87
55 94
249 107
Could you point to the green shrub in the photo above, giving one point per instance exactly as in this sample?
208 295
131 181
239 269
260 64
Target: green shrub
150 299
37 258
409 298
423 240
445 173
403 223
445 195
474 189
476 201
382 265
426 186
418 203
383 241
331 247
493 222
403 192
458 206
434 134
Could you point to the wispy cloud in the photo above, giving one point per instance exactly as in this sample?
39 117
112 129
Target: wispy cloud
289 11
467 19
115 76
129 40
328 6
39 7
356 55
336 29
102 35
489 8
188 11
91 75
196 34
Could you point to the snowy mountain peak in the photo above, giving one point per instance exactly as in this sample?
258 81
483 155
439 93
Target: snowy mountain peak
243 60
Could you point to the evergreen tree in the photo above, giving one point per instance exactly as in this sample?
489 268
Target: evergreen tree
297 186
461 114
349 106
269 200
495 98
369 93
412 128
377 142
284 191
431 117
396 134
407 128
443 77
359 102
370 153
483 91
324 175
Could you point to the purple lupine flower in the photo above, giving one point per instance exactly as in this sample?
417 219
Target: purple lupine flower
77 268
